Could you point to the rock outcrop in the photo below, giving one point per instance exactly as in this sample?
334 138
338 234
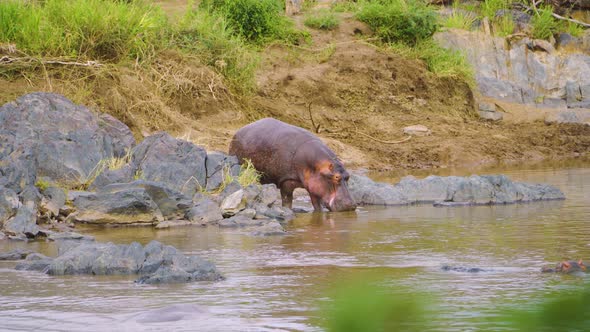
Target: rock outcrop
155 263
449 191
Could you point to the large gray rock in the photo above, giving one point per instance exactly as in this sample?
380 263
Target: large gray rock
522 71
24 222
9 204
170 202
233 203
178 163
581 116
56 138
453 190
156 262
204 212
124 206
219 165
53 199
124 174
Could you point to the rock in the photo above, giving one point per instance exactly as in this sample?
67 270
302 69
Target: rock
248 213
517 72
463 269
9 204
581 116
276 212
171 313
57 138
564 39
124 206
229 189
540 45
35 262
269 229
24 222
177 163
417 130
18 168
516 15
63 236
53 199
2 236
14 255
233 203
241 221
204 212
109 176
219 165
452 190
170 202
173 223
487 112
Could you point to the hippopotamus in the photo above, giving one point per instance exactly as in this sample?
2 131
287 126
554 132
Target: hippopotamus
566 267
292 157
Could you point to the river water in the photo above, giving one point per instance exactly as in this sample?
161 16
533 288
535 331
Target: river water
281 283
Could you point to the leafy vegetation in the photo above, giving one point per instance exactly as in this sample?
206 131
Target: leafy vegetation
324 20
406 21
248 174
258 21
363 305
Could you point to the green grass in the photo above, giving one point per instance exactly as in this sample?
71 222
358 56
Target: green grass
42 185
544 24
459 20
96 29
324 20
504 26
210 36
406 21
344 6
440 61
490 7
573 29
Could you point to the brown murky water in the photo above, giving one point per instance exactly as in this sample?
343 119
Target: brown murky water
278 283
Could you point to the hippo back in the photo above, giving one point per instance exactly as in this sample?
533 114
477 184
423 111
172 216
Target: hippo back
271 145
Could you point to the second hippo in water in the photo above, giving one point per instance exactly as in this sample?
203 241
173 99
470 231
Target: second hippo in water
292 157
566 267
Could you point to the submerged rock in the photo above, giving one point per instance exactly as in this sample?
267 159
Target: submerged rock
463 269
14 255
156 262
449 191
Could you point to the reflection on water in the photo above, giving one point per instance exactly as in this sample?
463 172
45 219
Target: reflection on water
278 283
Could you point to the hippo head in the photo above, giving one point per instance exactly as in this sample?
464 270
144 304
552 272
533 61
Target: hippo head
328 182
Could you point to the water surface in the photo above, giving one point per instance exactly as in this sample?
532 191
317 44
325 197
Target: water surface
278 283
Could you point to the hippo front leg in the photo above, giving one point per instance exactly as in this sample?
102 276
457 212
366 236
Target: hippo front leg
316 202
287 188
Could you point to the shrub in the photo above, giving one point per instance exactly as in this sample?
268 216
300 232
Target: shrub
324 20
97 29
544 25
209 36
255 20
406 21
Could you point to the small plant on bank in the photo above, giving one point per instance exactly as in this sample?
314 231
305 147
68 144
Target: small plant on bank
248 174
323 20
504 26
490 7
344 6
440 61
406 21
544 24
459 19
573 29
42 184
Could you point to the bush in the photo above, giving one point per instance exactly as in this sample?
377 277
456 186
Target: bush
210 37
406 21
96 29
324 20
255 20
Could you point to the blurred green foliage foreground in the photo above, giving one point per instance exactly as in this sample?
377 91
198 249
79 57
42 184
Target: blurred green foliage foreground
360 306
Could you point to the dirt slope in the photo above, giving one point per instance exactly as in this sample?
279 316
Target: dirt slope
359 97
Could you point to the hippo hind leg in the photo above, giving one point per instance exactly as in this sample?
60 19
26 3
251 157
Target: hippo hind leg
287 188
